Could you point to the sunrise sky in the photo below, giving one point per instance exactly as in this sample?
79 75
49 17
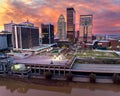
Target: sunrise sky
106 13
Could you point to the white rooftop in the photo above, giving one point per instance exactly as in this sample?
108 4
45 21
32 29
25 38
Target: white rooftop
41 60
38 48
103 41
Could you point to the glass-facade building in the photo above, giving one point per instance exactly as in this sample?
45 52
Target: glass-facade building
71 24
47 33
25 36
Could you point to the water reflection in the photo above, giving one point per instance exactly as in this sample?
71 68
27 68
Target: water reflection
13 85
10 87
23 87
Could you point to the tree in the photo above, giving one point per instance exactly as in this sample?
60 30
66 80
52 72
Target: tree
92 78
48 75
116 78
69 76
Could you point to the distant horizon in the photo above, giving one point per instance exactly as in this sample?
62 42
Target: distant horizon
106 34
106 14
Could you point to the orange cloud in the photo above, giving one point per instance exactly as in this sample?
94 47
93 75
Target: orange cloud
118 24
106 13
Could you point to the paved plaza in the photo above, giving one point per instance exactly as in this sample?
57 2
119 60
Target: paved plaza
41 60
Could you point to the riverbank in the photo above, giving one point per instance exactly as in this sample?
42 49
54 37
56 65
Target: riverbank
56 81
38 81
11 87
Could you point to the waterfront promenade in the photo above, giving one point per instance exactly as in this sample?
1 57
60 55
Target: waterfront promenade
36 66
99 68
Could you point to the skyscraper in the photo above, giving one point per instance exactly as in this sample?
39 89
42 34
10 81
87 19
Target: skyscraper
25 35
61 24
8 27
86 28
71 24
5 40
47 33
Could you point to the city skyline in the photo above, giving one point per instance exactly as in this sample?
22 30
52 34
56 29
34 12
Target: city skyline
106 14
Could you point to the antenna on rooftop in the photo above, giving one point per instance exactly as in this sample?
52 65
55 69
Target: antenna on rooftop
11 21
27 20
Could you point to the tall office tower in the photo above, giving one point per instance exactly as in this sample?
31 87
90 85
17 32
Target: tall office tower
8 27
71 24
61 24
86 28
25 35
5 40
47 33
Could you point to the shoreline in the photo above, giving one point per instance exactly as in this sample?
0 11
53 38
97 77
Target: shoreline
39 81
55 82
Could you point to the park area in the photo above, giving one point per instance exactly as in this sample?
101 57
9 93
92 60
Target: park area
96 54
96 57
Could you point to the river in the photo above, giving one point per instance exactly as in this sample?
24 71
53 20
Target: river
9 87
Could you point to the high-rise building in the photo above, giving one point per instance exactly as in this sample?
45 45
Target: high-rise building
61 24
8 27
25 35
71 24
47 31
86 28
5 40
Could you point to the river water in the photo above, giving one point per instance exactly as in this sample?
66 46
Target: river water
10 87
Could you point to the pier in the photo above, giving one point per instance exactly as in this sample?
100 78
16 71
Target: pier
36 66
81 72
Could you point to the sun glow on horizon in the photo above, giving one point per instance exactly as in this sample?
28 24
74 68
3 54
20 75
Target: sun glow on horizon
105 18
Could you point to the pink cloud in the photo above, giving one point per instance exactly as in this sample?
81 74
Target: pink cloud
106 13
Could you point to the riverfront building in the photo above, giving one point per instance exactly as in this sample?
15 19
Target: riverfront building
86 28
29 65
71 24
60 67
5 63
61 28
47 31
5 40
25 35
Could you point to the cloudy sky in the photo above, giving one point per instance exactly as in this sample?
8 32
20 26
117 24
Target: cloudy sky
106 13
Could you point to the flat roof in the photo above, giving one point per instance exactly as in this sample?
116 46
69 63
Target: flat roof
5 33
38 48
104 41
46 60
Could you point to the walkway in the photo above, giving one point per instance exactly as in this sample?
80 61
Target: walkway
99 68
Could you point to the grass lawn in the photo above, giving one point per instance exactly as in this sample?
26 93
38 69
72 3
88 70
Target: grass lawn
96 54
